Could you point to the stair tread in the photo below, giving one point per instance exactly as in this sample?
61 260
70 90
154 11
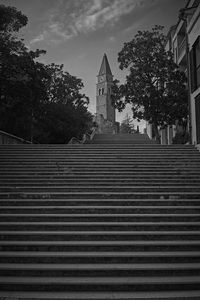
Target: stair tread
100 266
100 214
100 280
99 223
151 295
102 207
100 254
112 243
69 232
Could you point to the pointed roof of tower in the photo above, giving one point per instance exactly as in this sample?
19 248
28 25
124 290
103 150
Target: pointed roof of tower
105 67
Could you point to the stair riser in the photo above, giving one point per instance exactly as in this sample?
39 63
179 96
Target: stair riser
83 260
51 178
103 164
98 248
96 273
100 287
103 189
176 203
99 218
74 183
83 227
104 159
105 195
96 237
121 172
99 210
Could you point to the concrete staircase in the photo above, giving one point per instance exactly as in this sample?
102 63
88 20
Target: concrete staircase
135 138
115 219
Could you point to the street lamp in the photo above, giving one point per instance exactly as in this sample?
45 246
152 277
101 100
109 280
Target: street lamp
183 13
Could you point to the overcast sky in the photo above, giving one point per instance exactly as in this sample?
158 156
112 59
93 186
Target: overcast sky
77 33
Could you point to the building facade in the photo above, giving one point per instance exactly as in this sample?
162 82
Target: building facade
183 39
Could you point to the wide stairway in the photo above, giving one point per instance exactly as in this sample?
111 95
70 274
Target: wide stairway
115 219
124 138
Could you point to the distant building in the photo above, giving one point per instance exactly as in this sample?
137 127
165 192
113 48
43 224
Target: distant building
105 112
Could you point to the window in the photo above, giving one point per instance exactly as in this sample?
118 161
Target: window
99 91
102 91
197 60
195 65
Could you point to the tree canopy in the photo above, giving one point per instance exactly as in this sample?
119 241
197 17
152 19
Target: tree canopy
38 102
154 86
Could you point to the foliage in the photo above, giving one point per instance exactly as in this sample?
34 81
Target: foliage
154 86
37 102
181 138
127 125
11 19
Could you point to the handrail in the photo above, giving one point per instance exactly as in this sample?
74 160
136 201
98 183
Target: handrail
86 137
74 140
13 137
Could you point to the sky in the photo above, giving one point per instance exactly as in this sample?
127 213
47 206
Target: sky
77 33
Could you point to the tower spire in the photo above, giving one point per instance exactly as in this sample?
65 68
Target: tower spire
105 67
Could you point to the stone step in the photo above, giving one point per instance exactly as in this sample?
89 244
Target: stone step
98 235
95 270
108 254
127 152
60 183
123 189
100 209
99 154
99 195
105 188
103 169
130 176
99 246
131 169
103 161
102 202
104 156
99 267
73 216
100 257
72 172
165 295
71 146
106 141
94 284
99 226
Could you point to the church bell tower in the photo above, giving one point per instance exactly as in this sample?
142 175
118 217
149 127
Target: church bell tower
103 93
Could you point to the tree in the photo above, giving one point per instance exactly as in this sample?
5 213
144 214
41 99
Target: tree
17 69
38 102
65 113
127 125
154 86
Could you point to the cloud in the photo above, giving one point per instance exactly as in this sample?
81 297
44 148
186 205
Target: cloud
112 39
98 13
69 18
38 38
